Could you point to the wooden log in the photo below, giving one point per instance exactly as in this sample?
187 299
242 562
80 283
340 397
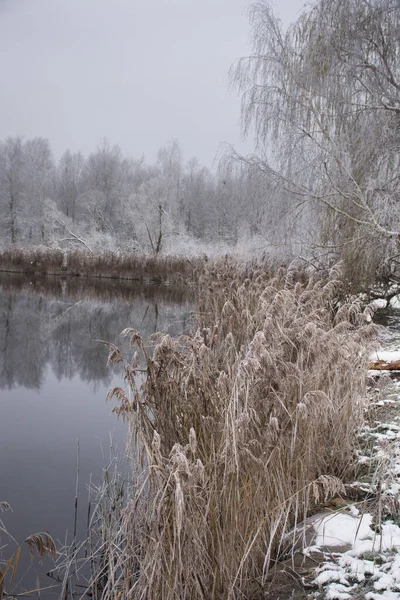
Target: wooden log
383 365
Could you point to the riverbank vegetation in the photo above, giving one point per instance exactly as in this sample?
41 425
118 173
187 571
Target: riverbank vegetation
108 265
236 432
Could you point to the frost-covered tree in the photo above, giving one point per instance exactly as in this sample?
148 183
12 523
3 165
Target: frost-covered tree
39 174
198 201
12 188
102 186
69 181
323 102
154 225
169 161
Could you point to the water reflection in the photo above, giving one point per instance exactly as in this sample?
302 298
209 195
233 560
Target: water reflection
57 322
53 384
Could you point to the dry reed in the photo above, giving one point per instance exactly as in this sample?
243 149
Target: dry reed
41 544
116 265
237 432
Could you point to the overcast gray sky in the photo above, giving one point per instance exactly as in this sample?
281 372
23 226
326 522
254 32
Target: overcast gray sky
139 72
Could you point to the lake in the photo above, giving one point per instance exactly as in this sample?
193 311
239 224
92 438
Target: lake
53 385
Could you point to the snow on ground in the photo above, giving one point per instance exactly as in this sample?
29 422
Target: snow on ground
340 528
386 355
391 350
373 557
395 302
361 548
379 303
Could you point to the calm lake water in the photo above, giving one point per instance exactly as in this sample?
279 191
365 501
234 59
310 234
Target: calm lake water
53 386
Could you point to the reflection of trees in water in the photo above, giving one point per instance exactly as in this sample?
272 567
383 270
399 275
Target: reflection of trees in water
95 288
36 331
23 349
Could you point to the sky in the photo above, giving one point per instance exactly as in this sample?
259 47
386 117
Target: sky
137 72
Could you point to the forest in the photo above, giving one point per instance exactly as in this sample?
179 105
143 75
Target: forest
109 201
320 100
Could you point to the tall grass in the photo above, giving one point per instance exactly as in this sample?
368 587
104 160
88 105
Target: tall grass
237 432
54 261
40 544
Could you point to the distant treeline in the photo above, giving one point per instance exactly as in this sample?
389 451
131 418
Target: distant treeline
109 201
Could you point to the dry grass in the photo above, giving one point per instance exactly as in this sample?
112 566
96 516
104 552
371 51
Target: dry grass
40 544
53 261
237 432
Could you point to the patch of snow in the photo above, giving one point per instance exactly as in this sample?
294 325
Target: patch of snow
388 595
336 591
395 302
357 567
331 575
351 568
339 529
383 402
386 355
363 460
379 303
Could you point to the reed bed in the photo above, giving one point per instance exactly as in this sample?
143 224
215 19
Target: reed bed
116 265
237 432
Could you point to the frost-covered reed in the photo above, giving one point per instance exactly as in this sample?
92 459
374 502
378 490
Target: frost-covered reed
237 432
42 260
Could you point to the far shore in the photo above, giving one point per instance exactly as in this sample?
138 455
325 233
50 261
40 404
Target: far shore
144 268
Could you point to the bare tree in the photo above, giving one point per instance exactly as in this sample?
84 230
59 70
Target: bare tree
39 170
102 180
149 211
169 161
12 190
69 176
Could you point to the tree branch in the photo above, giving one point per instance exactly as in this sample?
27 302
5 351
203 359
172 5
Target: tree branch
73 235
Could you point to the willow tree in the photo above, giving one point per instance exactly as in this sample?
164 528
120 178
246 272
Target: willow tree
325 95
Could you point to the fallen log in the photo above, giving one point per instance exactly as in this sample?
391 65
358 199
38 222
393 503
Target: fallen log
383 365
